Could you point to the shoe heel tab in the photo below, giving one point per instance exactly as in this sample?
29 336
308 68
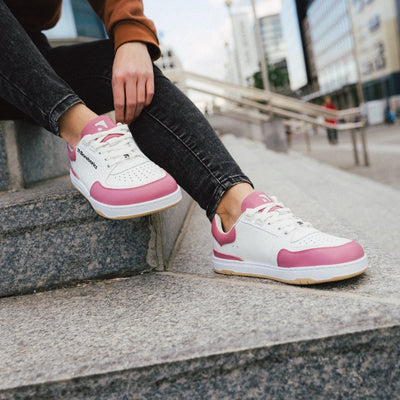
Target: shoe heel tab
218 233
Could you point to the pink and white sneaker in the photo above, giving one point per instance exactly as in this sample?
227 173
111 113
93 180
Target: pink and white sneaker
267 241
119 181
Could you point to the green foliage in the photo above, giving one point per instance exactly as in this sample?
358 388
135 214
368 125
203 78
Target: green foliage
278 78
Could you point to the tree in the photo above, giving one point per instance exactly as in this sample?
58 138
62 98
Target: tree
277 75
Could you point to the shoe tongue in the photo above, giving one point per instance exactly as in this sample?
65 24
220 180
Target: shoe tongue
254 200
99 124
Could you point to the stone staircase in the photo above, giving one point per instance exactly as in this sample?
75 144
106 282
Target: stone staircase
50 236
188 333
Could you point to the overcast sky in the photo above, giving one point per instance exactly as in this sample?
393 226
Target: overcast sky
197 30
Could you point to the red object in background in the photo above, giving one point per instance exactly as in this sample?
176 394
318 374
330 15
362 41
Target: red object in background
331 107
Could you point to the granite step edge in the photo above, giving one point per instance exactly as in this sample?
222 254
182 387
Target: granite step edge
333 357
48 234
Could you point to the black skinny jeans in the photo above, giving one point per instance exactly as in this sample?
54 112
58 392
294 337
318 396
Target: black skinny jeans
40 83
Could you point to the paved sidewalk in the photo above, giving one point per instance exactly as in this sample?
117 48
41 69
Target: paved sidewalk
383 147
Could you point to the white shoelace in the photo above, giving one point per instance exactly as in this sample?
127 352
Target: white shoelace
282 218
117 149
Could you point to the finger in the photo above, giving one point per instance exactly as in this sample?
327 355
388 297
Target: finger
149 90
131 100
140 96
118 88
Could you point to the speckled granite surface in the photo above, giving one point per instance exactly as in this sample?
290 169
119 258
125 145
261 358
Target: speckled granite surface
50 237
191 334
38 154
3 165
167 335
42 154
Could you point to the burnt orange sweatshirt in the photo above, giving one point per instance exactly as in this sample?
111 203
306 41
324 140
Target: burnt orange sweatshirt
124 19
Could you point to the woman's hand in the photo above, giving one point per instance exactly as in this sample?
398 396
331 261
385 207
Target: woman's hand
132 81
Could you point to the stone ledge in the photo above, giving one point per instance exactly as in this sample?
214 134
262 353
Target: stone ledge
56 239
198 338
4 178
51 237
32 155
364 367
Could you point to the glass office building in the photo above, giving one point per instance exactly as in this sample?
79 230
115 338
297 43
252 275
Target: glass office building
331 36
296 63
272 38
376 32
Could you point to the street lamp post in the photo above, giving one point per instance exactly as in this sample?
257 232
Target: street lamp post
260 48
228 3
360 92
355 55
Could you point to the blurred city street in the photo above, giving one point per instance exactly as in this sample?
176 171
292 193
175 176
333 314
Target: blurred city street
383 143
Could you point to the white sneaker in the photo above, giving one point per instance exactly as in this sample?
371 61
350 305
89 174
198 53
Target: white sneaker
268 241
119 181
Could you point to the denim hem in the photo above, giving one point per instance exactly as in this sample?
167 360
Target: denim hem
221 190
63 105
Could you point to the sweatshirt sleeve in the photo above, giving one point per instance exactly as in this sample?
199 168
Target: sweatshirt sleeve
125 22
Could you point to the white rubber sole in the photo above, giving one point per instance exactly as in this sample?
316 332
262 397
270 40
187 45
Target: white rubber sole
295 276
131 210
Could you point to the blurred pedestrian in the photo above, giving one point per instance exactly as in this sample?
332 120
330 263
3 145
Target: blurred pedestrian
332 133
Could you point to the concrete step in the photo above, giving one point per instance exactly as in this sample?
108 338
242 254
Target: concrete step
4 175
190 333
51 237
29 154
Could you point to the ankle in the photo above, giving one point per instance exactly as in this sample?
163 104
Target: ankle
72 122
229 208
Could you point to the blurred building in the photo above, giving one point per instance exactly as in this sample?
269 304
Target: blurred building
231 72
330 28
320 50
274 50
398 16
244 41
341 41
295 58
272 38
312 74
169 59
376 33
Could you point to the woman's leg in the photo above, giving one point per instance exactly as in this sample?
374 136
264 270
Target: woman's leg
171 131
174 133
27 81
33 81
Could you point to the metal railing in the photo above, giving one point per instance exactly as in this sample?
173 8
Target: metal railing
273 104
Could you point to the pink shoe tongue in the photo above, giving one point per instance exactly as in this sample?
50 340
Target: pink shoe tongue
99 124
256 199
